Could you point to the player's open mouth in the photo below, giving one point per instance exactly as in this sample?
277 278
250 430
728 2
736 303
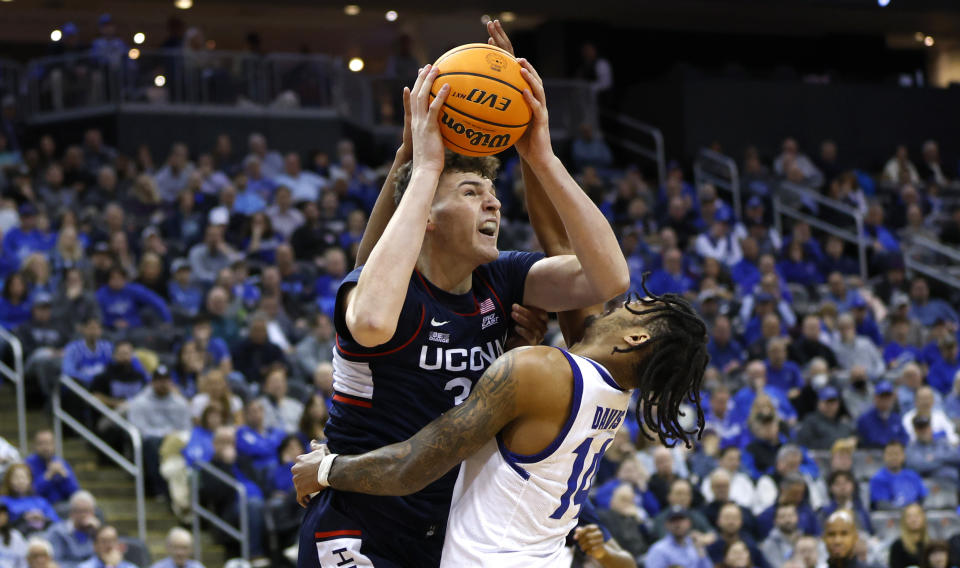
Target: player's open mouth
488 228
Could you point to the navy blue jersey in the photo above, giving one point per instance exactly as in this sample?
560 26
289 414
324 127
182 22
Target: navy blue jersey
443 344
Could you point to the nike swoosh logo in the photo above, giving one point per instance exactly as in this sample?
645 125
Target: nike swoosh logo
434 322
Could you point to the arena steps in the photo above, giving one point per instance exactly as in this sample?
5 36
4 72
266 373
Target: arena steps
113 487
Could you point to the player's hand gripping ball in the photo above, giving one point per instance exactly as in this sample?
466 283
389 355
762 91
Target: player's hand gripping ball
484 113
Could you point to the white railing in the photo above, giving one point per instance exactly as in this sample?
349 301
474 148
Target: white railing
15 375
721 172
134 468
652 149
796 194
241 534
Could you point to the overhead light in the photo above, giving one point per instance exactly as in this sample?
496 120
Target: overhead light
485 18
134 53
139 38
355 64
392 16
55 35
928 41
183 4
6 0
883 3
507 17
351 9
159 80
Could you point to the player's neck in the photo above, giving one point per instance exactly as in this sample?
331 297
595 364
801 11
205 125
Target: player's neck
449 273
617 363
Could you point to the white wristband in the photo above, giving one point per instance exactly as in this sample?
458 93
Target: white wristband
324 471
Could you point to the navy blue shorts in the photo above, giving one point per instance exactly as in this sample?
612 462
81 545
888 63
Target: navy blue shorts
330 538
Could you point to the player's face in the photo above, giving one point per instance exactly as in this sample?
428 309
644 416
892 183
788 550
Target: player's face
616 321
466 215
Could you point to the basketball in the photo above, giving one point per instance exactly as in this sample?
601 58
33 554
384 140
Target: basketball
484 113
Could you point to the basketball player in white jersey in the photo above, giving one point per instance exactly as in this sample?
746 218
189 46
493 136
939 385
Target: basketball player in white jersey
531 434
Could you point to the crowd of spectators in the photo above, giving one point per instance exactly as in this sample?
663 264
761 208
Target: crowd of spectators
194 295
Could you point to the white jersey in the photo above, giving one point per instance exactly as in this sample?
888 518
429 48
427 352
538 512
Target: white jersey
511 510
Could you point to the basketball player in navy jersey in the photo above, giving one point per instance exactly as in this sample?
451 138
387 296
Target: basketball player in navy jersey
534 429
424 317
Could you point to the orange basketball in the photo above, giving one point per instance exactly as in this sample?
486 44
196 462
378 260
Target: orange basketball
484 113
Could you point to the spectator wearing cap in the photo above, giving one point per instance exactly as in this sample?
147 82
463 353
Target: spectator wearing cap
42 339
898 351
754 220
174 176
20 242
821 428
121 302
679 547
186 297
881 424
85 358
304 185
211 256
932 457
926 406
926 309
107 47
942 372
157 411
895 486
853 349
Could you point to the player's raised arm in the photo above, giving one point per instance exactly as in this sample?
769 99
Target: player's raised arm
385 205
597 271
374 305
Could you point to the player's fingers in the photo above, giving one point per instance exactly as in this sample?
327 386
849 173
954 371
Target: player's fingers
406 105
427 85
434 110
533 103
418 84
536 85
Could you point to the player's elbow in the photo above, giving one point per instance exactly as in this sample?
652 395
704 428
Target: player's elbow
370 330
617 283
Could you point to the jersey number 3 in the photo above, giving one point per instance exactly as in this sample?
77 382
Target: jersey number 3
461 383
579 485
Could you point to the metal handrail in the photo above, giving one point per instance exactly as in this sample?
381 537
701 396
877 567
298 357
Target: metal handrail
702 174
656 155
780 208
242 534
16 376
135 468
937 272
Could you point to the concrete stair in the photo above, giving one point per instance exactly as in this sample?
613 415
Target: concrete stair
113 487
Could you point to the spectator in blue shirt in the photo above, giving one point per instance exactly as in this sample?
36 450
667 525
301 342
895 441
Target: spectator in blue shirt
881 424
719 417
255 441
942 373
726 353
678 547
671 278
894 486
756 383
15 302
25 507
781 372
928 310
838 293
20 242
121 301
793 491
881 239
86 358
53 479
186 297
835 261
798 267
107 47
589 149
898 351
746 273
866 325
200 446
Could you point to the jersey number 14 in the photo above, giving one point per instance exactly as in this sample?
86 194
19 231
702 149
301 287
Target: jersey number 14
579 485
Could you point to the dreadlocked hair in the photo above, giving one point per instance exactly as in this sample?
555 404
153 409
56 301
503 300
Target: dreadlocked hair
671 372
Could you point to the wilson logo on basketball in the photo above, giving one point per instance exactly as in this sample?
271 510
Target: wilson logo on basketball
496 61
482 97
475 137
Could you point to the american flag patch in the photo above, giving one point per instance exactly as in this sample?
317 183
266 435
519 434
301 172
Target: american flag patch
486 306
